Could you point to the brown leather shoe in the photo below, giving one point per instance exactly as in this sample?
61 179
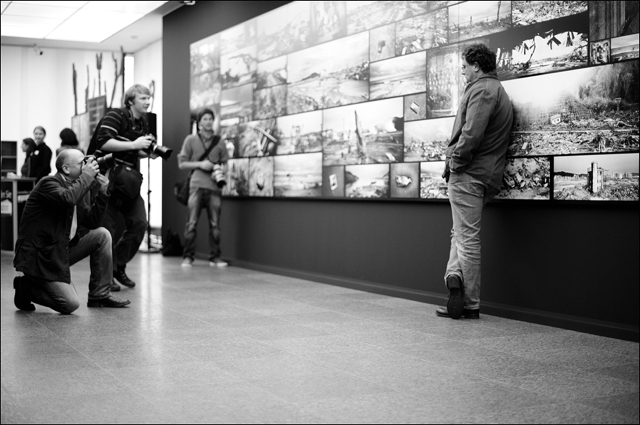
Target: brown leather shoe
466 313
21 298
109 301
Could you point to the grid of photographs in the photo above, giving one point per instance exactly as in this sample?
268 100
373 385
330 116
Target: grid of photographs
345 99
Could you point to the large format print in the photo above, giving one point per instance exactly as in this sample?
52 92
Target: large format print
270 102
331 74
272 73
206 90
239 67
298 175
427 140
237 178
432 184
584 110
236 105
367 181
261 176
526 178
405 180
255 138
239 37
333 181
612 177
328 20
612 19
398 76
382 43
530 12
299 133
205 55
444 85
364 133
422 32
365 15
284 30
473 19
624 48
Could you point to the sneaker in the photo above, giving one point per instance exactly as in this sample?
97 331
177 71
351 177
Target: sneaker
455 304
187 262
217 262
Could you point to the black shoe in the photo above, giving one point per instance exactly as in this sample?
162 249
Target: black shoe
122 277
115 287
109 301
21 299
467 313
455 304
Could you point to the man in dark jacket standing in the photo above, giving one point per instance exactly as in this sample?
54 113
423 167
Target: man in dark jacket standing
58 228
475 161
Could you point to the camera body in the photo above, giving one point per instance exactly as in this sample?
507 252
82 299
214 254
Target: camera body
105 162
217 175
155 150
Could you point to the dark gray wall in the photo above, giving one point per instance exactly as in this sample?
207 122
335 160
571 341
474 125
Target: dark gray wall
574 266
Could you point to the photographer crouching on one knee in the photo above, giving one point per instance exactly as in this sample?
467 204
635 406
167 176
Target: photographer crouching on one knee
59 227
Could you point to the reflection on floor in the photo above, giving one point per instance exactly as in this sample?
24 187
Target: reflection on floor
238 346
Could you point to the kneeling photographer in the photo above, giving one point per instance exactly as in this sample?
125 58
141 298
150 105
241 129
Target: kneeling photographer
125 134
206 156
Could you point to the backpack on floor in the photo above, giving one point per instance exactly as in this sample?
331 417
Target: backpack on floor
171 244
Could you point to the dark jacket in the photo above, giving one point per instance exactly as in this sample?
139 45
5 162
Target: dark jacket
482 131
41 161
42 248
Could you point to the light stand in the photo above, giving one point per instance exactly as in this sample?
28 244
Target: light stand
150 249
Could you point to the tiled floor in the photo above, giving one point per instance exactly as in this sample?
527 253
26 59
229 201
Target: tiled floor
238 346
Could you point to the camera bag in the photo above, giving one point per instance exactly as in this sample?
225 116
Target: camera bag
181 189
127 182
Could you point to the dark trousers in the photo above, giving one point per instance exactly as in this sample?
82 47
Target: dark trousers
135 221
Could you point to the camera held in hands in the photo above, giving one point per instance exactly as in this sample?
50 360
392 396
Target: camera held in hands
218 175
105 162
155 150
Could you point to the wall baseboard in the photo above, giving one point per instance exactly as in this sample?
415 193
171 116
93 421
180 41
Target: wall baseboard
574 323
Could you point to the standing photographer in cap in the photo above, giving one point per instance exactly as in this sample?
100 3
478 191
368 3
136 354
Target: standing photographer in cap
125 133
59 227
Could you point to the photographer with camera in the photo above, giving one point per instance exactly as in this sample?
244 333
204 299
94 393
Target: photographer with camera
207 156
59 227
125 133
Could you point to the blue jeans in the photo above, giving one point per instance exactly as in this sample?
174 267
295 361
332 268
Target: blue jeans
199 199
135 221
467 197
63 297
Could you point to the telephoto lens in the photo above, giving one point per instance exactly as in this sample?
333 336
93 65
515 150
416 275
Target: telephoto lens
218 176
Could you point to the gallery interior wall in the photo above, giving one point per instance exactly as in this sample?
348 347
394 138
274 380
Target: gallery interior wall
570 265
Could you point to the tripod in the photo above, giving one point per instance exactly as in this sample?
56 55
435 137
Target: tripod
150 249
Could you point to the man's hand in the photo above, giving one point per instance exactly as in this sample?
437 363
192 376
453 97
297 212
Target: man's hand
447 171
206 165
91 167
143 142
104 183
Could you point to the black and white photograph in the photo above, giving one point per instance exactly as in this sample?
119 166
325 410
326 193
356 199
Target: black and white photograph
237 177
330 74
624 48
382 42
600 52
206 89
548 46
333 181
473 19
612 177
609 19
271 73
415 107
439 4
584 110
404 181
298 175
422 32
239 67
531 12
261 176
236 104
432 184
365 133
427 140
238 37
270 102
328 20
444 85
365 15
398 76
284 30
256 138
367 181
526 178
299 133
205 55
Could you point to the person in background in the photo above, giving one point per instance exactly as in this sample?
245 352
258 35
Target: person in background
41 158
60 226
204 192
68 140
475 162
28 147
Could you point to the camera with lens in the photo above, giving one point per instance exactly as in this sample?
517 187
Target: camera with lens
155 150
105 162
218 175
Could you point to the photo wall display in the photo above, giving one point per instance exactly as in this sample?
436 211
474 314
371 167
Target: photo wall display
346 99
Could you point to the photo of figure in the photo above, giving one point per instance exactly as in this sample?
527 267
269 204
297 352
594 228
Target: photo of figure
239 67
298 175
415 107
421 32
237 178
364 133
398 76
444 85
382 43
600 52
526 178
333 181
624 48
299 133
261 176
610 177
405 180
474 19
284 30
367 181
427 140
270 102
432 184
236 104
365 15
532 12
271 73
205 55
328 20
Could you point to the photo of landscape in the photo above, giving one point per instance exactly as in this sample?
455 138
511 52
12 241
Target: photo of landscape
405 180
239 67
367 181
624 48
432 184
284 30
298 175
472 19
427 140
237 103
365 15
422 32
237 178
398 76
328 20
271 73
270 102
206 89
526 178
333 181
382 43
531 12
238 37
261 176
299 133
611 177
205 55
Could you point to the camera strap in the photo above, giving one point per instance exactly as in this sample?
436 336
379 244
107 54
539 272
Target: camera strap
208 150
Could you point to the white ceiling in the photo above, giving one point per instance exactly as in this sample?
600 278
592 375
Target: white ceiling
146 30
